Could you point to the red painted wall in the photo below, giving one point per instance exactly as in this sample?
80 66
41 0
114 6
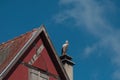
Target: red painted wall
43 62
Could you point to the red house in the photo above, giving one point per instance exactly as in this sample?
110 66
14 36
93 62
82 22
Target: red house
32 56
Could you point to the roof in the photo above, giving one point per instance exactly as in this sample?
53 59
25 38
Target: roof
9 49
12 50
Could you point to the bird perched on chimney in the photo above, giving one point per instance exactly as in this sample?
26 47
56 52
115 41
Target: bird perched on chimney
65 47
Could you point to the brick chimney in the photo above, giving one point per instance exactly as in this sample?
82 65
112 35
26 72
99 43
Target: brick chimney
67 60
68 65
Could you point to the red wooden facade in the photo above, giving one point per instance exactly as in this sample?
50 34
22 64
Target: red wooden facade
31 57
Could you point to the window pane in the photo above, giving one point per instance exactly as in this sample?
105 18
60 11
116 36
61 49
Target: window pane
43 76
36 75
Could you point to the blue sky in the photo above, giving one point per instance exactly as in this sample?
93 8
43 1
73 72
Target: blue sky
91 26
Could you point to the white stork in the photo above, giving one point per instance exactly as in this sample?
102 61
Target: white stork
64 47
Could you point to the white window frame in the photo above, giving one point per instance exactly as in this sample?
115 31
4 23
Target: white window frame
37 75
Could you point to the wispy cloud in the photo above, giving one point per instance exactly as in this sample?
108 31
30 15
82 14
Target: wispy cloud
86 12
91 14
89 50
95 75
116 75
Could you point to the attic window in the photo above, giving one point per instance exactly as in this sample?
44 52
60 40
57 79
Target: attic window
37 75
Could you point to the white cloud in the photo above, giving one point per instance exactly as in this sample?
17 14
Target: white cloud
86 12
95 76
91 14
116 75
89 50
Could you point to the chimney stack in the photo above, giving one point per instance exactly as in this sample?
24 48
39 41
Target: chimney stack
67 61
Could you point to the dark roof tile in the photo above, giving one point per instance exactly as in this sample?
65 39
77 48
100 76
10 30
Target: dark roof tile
9 49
